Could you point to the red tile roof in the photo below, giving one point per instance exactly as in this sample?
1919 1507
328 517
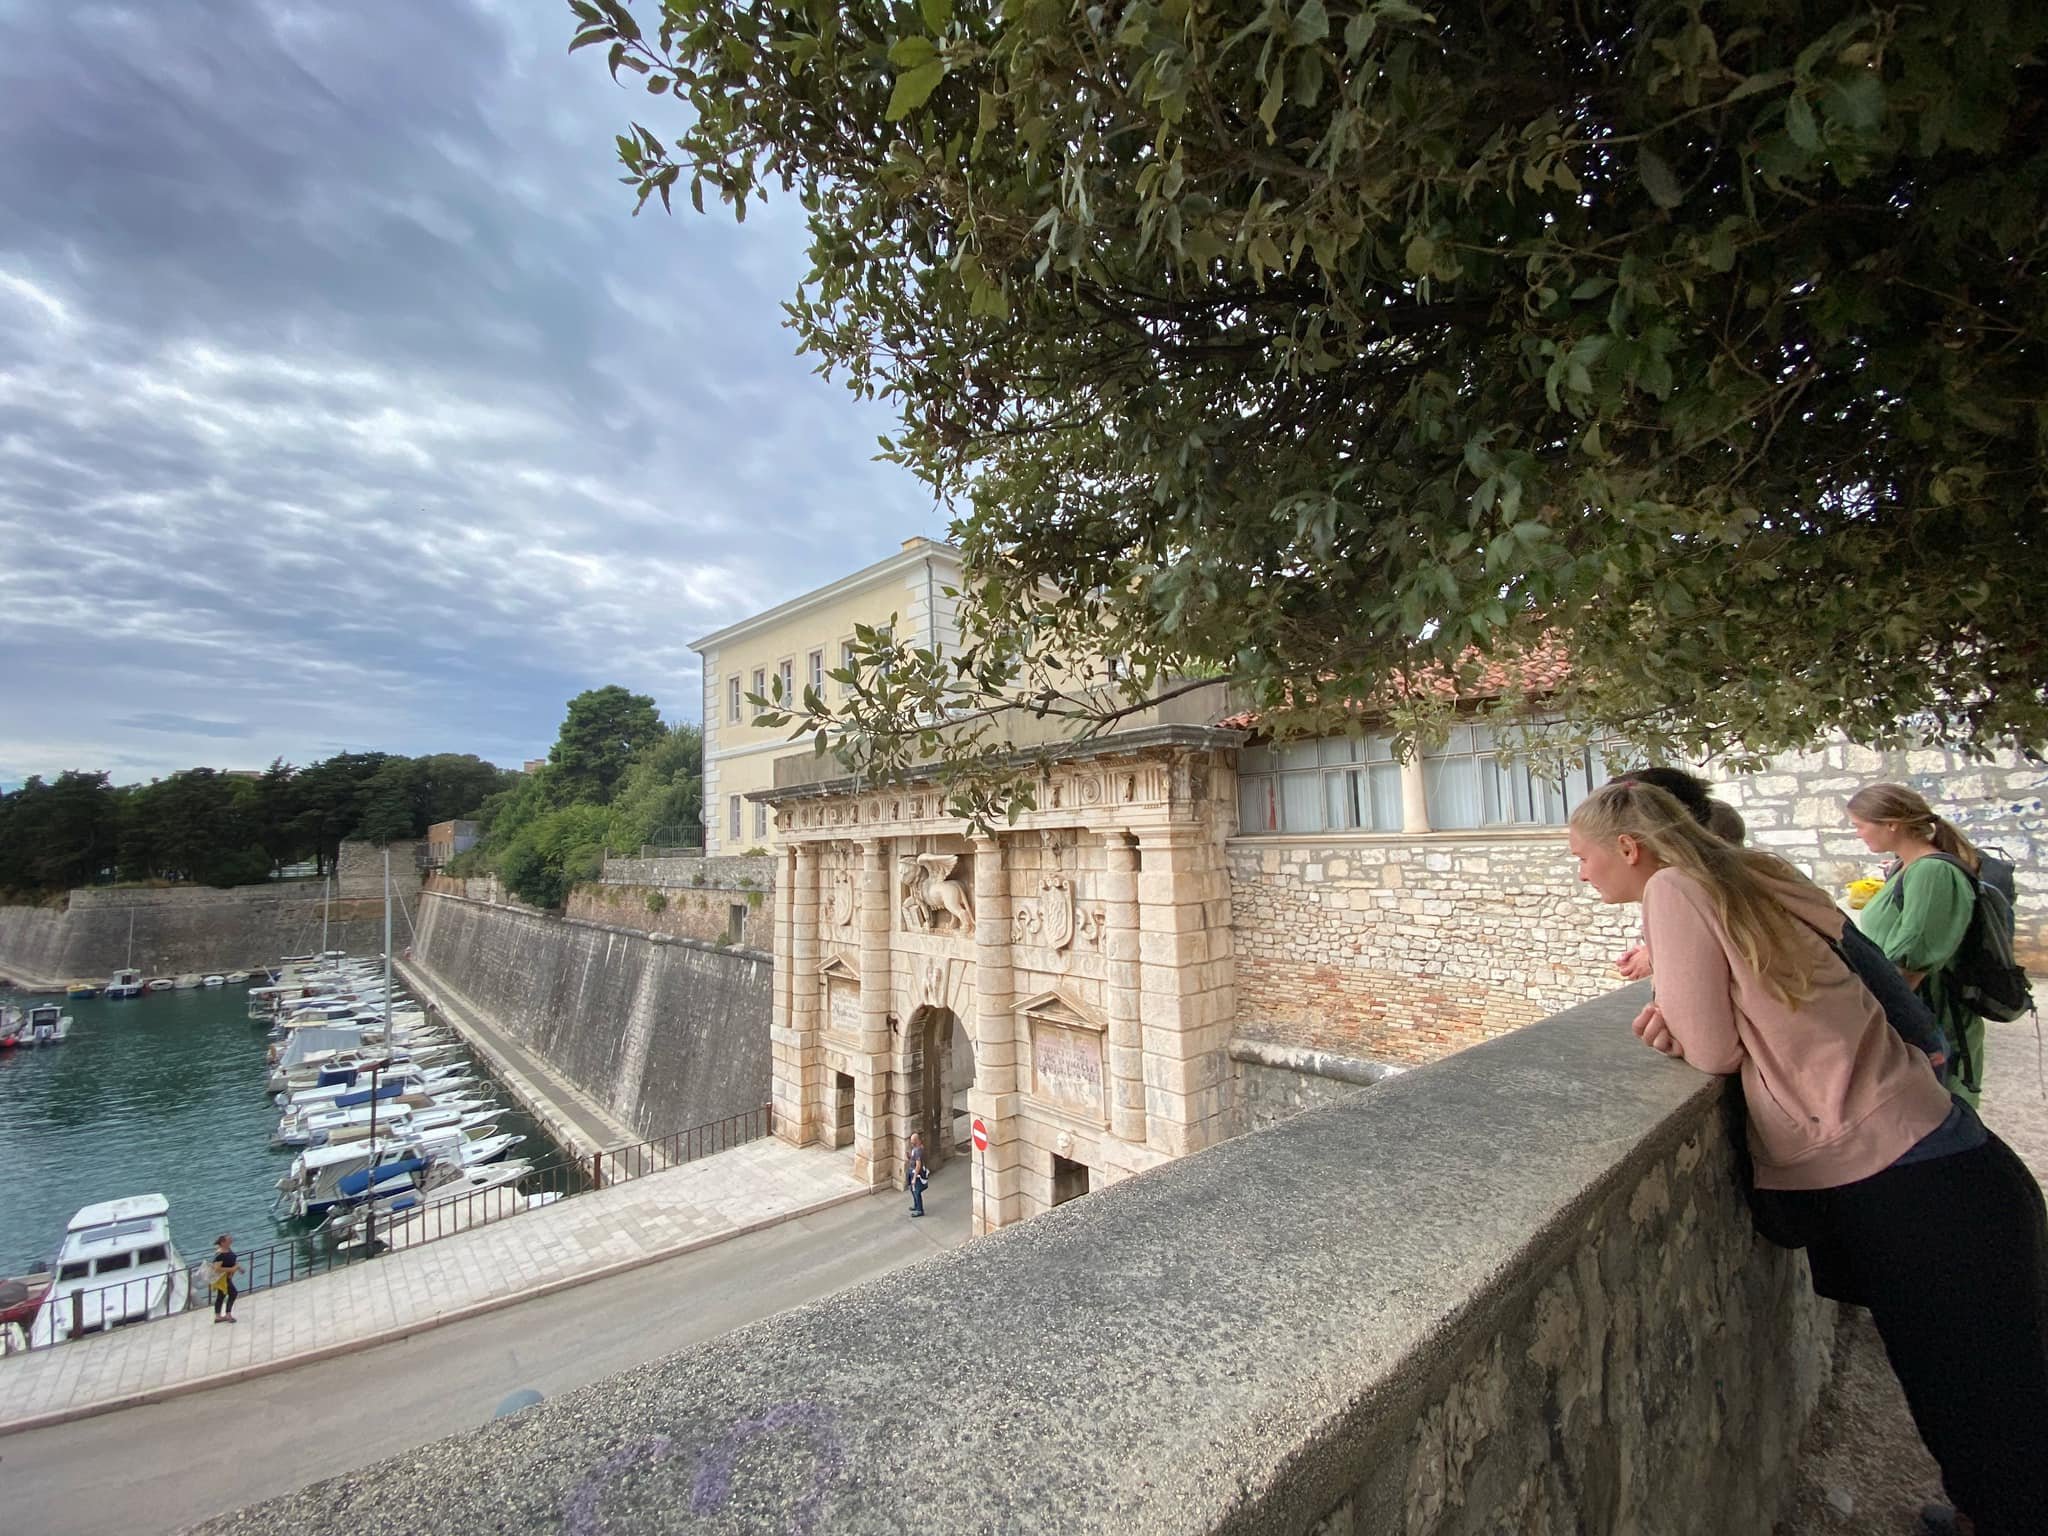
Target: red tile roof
1543 668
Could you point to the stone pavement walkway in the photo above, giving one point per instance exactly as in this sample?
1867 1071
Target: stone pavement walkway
578 1239
1862 1468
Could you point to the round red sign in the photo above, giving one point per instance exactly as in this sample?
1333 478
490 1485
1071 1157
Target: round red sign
980 1136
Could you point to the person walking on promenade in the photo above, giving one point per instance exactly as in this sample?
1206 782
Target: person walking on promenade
226 1265
1903 1200
915 1174
1920 917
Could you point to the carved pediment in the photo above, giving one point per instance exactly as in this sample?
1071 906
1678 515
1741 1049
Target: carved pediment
837 969
1058 1008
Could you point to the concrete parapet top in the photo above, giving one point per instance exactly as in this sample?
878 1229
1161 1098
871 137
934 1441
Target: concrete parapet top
1203 1348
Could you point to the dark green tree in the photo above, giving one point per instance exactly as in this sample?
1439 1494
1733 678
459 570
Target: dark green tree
604 729
1317 342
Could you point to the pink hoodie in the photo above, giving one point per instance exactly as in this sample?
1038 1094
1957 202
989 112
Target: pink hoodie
1834 1094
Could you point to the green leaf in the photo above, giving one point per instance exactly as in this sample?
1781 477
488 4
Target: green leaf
937 14
1800 124
1857 102
1658 179
912 52
1311 24
913 88
1421 255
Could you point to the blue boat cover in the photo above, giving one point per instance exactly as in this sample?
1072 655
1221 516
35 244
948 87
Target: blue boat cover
332 1075
355 1183
363 1095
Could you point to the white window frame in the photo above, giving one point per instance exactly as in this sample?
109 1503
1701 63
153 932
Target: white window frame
1320 785
846 664
1511 789
786 670
732 699
760 682
732 816
816 667
760 821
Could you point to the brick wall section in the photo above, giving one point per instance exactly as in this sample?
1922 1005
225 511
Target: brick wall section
687 913
1405 949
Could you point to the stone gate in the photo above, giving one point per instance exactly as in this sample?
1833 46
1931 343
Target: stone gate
1069 979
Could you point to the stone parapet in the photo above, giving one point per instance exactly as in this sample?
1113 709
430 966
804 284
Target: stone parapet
1515 1291
736 873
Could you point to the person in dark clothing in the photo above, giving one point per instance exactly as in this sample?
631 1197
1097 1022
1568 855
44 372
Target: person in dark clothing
226 1265
915 1174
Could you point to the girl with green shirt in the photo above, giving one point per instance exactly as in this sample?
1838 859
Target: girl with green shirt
1920 917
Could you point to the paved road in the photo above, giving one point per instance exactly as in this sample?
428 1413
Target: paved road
165 1466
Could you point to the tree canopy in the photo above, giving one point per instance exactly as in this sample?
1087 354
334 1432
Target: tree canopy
215 828
1319 342
615 778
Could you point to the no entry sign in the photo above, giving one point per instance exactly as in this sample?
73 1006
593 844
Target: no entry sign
980 1135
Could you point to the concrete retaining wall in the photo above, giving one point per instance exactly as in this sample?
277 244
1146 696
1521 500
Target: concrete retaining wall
179 930
665 1033
1513 1291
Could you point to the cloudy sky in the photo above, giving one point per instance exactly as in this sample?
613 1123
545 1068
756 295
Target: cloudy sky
344 406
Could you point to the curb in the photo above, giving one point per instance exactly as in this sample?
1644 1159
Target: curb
242 1373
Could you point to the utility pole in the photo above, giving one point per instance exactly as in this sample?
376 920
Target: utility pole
370 1173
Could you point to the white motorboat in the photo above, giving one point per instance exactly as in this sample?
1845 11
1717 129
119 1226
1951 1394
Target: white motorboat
46 1024
126 982
450 1201
160 984
118 1265
236 978
213 981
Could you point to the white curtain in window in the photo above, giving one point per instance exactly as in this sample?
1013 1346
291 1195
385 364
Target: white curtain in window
1386 797
1450 787
1257 809
1301 802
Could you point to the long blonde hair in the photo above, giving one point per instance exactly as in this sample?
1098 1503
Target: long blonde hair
1735 879
1896 804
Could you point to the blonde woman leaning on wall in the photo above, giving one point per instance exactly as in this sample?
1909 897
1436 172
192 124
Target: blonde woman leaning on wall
1904 1202
1921 915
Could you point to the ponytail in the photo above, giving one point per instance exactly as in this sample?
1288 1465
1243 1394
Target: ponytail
1900 806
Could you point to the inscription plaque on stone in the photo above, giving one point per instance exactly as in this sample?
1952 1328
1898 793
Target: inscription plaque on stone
842 1008
1067 1067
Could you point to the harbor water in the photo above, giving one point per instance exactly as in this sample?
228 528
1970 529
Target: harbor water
159 1093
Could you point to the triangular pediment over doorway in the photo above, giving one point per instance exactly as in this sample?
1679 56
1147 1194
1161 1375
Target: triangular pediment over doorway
1058 1008
836 969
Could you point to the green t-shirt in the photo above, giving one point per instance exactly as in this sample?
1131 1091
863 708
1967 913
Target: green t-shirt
1919 920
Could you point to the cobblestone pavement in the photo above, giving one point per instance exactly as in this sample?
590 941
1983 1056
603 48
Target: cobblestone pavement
1862 1468
414 1288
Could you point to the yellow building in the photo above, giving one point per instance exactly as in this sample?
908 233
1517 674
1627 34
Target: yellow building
801 641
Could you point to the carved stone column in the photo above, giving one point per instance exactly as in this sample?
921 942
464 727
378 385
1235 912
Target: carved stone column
796 988
1120 951
876 1138
994 1099
1186 987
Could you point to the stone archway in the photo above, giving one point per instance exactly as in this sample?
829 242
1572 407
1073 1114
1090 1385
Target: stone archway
929 1079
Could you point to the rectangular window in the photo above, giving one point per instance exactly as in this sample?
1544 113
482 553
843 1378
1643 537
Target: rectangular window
846 664
760 682
760 822
1475 780
787 672
817 671
735 921
732 700
1336 784
732 817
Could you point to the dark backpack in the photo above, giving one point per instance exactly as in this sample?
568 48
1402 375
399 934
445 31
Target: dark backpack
1988 980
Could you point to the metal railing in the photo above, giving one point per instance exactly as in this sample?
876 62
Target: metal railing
372 1232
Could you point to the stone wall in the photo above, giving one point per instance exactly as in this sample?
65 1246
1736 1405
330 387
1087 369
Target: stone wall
1516 1291
359 871
1277 1082
686 912
665 1033
1403 949
179 930
735 873
1796 808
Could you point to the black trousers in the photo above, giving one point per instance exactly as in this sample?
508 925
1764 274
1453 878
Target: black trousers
224 1301
1951 1258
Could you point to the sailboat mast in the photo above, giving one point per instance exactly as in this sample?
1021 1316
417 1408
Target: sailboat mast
387 955
326 889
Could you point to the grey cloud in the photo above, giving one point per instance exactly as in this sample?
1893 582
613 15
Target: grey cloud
340 395
183 725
